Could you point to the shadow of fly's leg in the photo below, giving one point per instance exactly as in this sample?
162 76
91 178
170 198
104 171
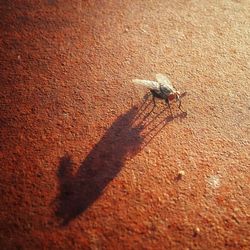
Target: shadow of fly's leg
148 114
142 108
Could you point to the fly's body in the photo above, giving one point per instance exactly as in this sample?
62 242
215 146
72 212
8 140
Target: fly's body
162 89
161 93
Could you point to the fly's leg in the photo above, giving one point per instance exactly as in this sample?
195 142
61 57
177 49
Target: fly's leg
167 101
154 101
146 96
180 104
153 95
179 99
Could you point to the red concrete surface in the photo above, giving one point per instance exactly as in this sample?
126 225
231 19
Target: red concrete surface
85 163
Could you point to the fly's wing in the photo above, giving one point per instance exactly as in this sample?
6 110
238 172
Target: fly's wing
149 84
164 81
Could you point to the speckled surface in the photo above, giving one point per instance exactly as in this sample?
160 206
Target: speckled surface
85 163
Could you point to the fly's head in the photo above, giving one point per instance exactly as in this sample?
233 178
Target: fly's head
174 95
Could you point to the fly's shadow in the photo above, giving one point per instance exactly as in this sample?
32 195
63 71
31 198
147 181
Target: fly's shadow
123 139
153 118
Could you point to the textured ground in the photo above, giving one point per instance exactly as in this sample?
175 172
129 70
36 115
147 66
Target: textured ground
84 161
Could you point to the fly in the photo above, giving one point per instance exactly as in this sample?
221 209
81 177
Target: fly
163 89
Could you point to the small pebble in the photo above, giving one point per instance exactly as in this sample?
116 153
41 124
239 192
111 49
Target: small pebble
196 231
181 173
